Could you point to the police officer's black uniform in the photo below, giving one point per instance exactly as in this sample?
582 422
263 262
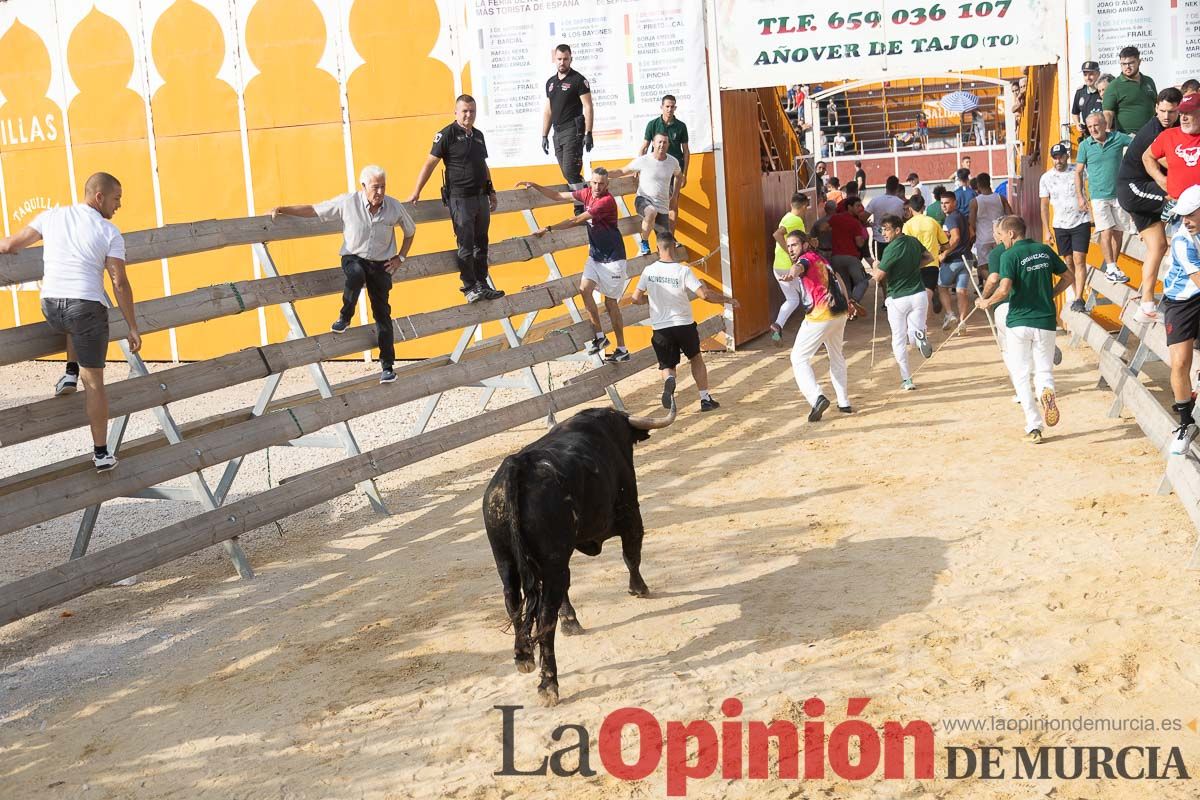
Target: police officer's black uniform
566 115
464 155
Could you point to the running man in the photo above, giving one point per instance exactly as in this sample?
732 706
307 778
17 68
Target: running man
1025 281
791 221
1100 158
930 233
660 178
986 208
907 304
665 285
821 326
1072 229
604 270
952 274
1181 289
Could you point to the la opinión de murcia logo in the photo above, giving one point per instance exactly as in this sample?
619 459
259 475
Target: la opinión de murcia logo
853 749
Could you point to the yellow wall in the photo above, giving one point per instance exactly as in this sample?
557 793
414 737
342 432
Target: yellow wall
288 120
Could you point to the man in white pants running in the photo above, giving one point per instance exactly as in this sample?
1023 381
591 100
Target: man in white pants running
821 326
907 304
1026 281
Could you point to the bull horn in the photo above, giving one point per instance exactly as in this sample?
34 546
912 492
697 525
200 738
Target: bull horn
652 423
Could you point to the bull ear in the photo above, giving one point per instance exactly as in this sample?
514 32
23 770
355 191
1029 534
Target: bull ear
652 423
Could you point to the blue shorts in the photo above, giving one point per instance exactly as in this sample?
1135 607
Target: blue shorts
953 274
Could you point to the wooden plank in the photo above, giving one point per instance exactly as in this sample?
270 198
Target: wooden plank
197 237
27 342
57 585
54 414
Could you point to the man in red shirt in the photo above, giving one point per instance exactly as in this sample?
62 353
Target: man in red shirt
849 235
1177 149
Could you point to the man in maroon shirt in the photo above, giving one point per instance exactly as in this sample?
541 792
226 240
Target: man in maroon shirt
849 236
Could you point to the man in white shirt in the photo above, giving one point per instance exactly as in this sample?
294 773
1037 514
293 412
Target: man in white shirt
659 180
914 183
889 204
1072 231
80 245
369 255
665 285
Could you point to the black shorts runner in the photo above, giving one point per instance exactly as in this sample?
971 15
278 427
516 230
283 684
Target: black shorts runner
668 343
929 277
1073 240
1142 200
1182 319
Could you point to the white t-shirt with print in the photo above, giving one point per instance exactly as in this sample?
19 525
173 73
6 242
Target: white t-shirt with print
1060 188
654 177
76 241
667 283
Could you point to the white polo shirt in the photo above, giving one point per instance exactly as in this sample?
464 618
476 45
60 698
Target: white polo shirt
76 240
367 235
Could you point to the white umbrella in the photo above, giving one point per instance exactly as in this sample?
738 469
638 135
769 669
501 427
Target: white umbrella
960 102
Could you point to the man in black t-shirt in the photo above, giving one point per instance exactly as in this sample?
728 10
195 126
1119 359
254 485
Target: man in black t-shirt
569 109
1087 97
1143 199
461 148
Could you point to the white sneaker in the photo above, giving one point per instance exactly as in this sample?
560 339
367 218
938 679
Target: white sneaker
1114 274
949 322
105 462
1182 439
1147 313
923 344
67 384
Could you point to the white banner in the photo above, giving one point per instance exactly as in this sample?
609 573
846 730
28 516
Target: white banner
815 40
632 52
1167 34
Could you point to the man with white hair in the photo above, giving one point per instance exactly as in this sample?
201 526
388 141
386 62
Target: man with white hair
369 253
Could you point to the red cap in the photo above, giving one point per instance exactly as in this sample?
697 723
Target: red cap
1190 104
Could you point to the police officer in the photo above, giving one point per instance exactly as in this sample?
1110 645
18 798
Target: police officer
1087 99
569 109
460 147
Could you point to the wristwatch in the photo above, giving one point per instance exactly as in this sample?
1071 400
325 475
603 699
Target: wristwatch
400 257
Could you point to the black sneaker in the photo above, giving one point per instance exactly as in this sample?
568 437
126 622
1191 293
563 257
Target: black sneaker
387 376
474 295
1077 305
340 325
1057 355
67 384
596 346
846 409
818 409
709 403
618 355
668 396
490 293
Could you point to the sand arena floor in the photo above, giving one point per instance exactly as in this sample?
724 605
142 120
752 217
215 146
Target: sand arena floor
917 553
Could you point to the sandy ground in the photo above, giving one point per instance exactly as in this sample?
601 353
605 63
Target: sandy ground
917 553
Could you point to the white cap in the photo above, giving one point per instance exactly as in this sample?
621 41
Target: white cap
1189 201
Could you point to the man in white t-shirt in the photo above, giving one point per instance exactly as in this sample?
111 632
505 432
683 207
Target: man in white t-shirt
659 180
1071 234
889 204
665 285
80 244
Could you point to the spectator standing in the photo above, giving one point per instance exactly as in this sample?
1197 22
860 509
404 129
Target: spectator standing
934 209
793 220
664 285
835 192
1070 229
1100 159
659 178
1087 97
824 325
461 148
839 144
978 128
954 180
569 110
1178 150
676 132
923 130
80 244
849 236
932 236
914 182
369 253
860 175
952 272
1026 281
1142 198
1129 100
964 193
889 204
605 268
985 209
907 303
1181 290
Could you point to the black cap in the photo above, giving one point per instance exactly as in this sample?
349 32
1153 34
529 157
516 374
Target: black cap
1060 149
1091 66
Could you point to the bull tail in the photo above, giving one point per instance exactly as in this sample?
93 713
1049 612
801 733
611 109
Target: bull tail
527 567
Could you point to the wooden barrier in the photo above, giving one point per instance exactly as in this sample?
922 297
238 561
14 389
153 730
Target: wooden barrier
72 579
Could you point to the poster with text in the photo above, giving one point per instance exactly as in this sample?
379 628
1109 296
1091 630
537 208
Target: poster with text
765 43
1165 32
632 52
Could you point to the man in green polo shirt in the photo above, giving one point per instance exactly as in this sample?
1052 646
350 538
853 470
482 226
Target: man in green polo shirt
1129 100
907 304
677 144
1026 281
1100 155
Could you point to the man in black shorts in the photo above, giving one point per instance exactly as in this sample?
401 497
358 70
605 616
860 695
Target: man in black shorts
1142 198
1071 233
569 109
1181 307
665 285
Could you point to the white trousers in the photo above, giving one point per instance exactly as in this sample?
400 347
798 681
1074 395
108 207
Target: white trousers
791 299
808 340
1000 317
906 317
1031 350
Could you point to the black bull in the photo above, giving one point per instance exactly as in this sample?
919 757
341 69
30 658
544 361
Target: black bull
570 490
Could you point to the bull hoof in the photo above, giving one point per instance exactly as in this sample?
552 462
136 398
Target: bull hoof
548 696
570 627
525 666
639 591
